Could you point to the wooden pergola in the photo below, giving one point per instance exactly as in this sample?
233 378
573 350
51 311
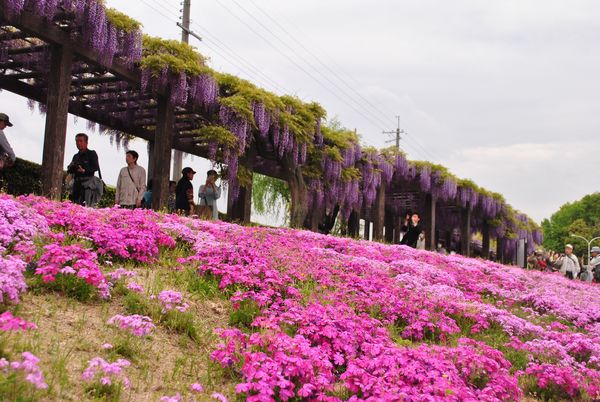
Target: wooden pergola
45 62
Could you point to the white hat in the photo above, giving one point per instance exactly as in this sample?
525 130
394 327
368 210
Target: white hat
595 249
569 246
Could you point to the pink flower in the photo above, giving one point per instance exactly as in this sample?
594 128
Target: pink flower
196 387
218 397
138 325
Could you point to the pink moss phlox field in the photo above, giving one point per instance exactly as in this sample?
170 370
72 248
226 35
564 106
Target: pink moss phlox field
121 233
359 290
326 318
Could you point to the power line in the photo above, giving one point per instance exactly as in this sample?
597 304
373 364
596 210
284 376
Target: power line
246 68
371 118
302 59
336 74
299 66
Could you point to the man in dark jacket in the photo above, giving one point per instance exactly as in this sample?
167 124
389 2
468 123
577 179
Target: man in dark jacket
184 192
82 167
412 231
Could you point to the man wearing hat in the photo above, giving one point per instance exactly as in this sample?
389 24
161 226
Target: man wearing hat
595 263
569 264
7 155
184 192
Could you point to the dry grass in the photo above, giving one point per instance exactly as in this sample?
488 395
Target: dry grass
164 363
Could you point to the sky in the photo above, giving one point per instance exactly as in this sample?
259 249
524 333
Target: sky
504 93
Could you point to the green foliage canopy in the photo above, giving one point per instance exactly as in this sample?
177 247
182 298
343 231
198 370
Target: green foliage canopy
580 217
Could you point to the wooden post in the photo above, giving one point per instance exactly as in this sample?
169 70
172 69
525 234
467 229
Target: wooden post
389 227
485 244
240 209
163 142
379 217
430 226
397 229
500 250
151 160
465 231
354 224
57 103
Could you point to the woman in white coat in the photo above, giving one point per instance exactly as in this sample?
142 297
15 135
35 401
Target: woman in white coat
209 193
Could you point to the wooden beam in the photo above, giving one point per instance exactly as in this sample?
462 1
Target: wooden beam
465 231
430 224
82 82
163 143
25 50
57 104
34 26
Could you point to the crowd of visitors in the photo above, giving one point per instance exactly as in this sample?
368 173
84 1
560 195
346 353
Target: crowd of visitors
132 190
567 263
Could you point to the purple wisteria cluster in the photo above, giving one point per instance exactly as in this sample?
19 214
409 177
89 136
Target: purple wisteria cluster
95 28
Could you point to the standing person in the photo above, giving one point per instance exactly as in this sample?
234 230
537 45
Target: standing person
184 192
541 261
405 223
7 155
421 241
441 249
209 193
171 201
131 184
595 263
412 231
569 264
82 167
147 198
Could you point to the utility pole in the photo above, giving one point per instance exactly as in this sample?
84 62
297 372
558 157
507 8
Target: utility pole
185 38
398 132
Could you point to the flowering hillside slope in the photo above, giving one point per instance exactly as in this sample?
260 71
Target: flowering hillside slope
134 305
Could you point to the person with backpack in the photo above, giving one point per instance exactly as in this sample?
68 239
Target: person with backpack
568 263
87 189
131 184
594 266
184 192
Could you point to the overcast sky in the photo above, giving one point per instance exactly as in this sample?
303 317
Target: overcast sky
503 92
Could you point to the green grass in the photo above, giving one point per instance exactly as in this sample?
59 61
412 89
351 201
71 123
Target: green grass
243 316
67 285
